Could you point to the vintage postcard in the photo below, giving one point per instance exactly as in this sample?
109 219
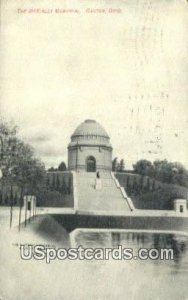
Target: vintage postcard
93 150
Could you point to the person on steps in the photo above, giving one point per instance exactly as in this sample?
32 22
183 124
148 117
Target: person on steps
98 183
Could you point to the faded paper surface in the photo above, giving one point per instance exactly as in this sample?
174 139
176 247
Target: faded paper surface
122 63
127 70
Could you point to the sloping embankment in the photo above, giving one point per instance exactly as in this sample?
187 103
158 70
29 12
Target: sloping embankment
148 193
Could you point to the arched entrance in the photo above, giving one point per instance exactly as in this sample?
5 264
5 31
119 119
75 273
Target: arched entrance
91 164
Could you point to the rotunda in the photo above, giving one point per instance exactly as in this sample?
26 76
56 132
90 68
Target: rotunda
90 149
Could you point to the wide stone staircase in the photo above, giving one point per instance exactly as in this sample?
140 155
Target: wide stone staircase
108 198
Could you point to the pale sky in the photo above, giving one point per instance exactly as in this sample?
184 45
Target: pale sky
128 71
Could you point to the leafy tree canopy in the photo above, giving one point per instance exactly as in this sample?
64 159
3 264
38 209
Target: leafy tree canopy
62 166
118 166
18 162
163 170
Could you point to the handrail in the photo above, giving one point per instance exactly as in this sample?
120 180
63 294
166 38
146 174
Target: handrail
124 194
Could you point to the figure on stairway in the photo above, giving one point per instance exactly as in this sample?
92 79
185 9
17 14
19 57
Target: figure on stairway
98 183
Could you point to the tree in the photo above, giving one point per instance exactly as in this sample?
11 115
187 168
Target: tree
7 146
58 183
29 172
15 198
53 186
47 181
64 188
143 167
8 140
115 164
162 170
171 172
62 166
7 132
52 169
70 184
122 165
180 174
1 197
20 167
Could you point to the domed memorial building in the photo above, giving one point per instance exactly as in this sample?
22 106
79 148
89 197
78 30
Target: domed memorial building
104 192
90 149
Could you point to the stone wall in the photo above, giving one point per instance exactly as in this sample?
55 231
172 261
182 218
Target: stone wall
77 157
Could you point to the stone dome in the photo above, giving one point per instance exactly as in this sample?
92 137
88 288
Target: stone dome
91 133
90 149
90 128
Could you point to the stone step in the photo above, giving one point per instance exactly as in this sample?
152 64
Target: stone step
87 193
105 180
94 175
92 185
109 197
